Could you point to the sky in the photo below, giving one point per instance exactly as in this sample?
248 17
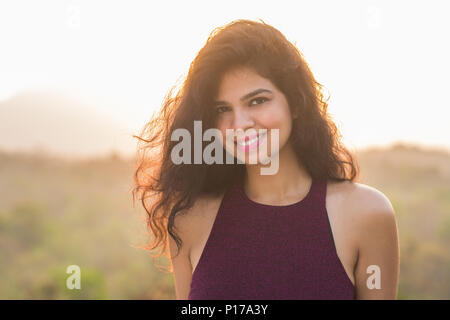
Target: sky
384 63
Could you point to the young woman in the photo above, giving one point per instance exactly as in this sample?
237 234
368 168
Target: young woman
307 231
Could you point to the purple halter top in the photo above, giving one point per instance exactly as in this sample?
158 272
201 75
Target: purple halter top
258 251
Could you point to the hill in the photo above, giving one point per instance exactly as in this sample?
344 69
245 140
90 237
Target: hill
60 125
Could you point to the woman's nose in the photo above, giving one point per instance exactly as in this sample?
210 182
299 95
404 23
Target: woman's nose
242 120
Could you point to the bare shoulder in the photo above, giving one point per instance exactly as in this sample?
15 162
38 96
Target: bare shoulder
371 226
359 194
202 207
189 223
364 204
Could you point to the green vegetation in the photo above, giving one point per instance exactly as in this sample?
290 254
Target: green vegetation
55 213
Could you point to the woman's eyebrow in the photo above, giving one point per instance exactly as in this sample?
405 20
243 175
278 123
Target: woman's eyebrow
247 96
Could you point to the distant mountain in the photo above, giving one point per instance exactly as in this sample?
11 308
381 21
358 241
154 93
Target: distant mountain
60 125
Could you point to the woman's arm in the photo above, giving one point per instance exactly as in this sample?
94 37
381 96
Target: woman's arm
188 227
377 268
182 269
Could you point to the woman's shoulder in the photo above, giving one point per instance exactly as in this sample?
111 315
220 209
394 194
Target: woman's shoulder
366 198
202 205
190 222
205 205
359 193
362 203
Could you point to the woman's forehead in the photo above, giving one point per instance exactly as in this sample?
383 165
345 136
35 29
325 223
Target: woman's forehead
238 82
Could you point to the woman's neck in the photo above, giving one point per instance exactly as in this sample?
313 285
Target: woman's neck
290 181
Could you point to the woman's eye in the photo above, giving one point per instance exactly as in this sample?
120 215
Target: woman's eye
221 109
261 99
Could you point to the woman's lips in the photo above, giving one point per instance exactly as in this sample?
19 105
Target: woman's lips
250 143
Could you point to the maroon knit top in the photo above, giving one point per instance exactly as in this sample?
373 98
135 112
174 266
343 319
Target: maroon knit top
258 251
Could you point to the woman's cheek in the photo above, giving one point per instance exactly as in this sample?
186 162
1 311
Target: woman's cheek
271 118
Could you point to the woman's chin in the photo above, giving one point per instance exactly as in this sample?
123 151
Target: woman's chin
253 162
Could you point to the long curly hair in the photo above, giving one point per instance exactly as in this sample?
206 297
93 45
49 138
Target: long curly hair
172 189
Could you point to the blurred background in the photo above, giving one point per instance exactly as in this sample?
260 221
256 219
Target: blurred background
79 78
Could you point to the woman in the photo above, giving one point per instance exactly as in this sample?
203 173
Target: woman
306 231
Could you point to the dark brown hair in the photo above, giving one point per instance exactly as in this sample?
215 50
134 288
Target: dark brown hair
257 45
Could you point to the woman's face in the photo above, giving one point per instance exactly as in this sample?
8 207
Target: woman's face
248 101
